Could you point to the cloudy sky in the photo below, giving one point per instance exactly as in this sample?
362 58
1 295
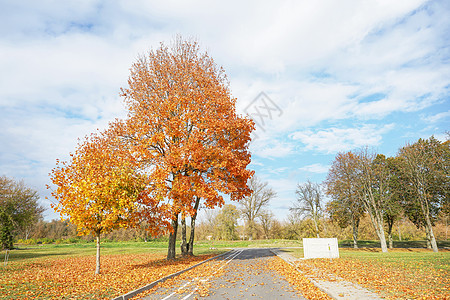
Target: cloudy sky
335 76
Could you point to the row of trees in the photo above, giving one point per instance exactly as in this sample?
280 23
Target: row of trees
252 210
211 226
415 183
227 224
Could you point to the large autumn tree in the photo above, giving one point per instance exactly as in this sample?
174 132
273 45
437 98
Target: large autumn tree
345 207
424 168
98 188
184 131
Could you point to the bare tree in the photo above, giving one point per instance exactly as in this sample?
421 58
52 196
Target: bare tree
425 166
253 205
373 180
309 203
266 218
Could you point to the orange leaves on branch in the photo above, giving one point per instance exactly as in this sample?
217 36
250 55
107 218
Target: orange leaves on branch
182 141
184 130
98 188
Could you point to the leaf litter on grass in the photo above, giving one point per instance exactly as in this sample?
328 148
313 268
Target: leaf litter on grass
392 275
73 277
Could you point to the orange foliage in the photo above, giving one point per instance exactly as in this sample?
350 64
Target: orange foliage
98 188
184 130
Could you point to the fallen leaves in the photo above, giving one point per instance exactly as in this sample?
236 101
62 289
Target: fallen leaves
298 280
73 277
396 276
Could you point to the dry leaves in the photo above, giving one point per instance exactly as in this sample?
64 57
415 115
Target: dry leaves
394 278
73 277
298 280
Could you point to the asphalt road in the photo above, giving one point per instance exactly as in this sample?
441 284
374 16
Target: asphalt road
242 274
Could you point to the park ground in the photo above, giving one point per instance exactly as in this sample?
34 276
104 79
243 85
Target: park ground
67 271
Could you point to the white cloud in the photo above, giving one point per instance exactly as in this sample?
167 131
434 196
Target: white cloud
274 149
341 139
438 117
315 168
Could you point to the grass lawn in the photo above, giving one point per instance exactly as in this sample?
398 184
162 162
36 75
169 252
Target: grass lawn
402 273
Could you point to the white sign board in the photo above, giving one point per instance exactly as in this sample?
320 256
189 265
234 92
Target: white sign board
320 248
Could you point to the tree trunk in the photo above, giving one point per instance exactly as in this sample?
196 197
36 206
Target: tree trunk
399 233
382 237
355 227
97 268
377 222
390 222
192 236
427 232
171 251
317 228
391 241
431 234
184 245
190 245
325 229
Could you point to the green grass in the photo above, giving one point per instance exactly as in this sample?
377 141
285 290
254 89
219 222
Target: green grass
25 252
397 244
409 257
28 252
50 250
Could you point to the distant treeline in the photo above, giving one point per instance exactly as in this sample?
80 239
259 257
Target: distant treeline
57 231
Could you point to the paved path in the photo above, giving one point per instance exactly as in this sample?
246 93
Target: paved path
242 274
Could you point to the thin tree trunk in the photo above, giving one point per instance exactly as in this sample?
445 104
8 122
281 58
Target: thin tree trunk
378 225
317 227
355 226
190 245
376 217
184 246
427 232
97 268
192 236
325 229
390 222
431 240
382 237
171 251
431 233
399 233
